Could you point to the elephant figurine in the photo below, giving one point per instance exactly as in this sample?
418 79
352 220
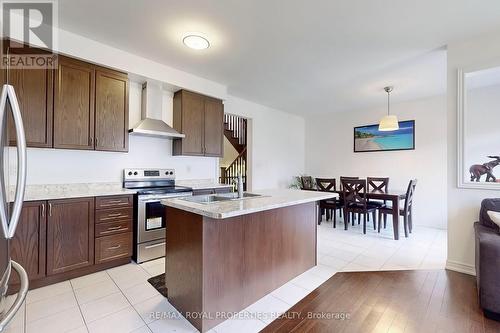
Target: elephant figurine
477 170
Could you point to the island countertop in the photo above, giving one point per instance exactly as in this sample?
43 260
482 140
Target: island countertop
270 199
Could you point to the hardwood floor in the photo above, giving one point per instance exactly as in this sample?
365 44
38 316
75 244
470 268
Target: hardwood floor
395 301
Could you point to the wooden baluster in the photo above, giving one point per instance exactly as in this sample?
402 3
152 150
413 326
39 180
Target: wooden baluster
235 134
241 133
241 130
236 127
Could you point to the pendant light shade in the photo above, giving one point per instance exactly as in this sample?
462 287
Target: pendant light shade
389 122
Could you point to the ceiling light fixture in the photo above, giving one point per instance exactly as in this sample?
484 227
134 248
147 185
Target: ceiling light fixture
389 122
196 42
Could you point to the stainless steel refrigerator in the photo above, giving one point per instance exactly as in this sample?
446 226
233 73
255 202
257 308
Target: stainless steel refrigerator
10 211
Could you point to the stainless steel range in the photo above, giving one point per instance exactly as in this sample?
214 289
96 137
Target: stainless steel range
150 221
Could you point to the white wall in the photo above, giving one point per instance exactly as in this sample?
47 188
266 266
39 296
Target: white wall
59 166
464 204
329 153
276 146
230 154
276 143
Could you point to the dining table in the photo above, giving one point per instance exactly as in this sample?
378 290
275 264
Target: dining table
393 196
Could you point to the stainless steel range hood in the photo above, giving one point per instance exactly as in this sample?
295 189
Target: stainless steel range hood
151 123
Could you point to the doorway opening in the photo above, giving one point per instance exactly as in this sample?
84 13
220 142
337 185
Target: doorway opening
235 159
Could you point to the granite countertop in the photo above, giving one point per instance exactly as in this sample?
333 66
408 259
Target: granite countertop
80 190
64 191
201 184
270 199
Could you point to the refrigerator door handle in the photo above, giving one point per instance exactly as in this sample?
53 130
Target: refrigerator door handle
3 195
21 296
10 229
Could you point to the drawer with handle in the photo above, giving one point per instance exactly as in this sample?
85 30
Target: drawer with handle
110 215
111 228
115 201
113 247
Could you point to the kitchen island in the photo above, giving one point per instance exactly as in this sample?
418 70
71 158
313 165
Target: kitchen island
223 256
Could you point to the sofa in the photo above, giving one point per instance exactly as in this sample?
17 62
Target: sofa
487 236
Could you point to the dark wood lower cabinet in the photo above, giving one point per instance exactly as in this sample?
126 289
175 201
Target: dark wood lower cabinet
113 247
63 239
70 234
216 266
29 243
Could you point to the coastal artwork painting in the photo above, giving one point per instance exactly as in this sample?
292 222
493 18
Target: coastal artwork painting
369 138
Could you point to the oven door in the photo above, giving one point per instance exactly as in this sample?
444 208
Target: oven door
151 219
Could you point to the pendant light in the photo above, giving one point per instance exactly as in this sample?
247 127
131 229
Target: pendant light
389 122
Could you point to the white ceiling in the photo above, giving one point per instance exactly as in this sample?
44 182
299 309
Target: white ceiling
298 56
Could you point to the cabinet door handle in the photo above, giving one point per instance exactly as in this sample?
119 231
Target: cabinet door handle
91 141
50 209
115 228
43 210
116 202
114 247
111 231
96 141
115 214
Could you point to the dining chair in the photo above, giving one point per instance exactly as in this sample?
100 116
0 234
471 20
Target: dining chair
342 178
406 212
329 206
380 184
307 183
355 201
342 199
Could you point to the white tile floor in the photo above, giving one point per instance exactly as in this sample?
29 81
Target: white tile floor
121 300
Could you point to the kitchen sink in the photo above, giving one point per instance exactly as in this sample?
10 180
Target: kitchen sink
234 196
208 199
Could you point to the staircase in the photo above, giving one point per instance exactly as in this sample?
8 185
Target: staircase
235 130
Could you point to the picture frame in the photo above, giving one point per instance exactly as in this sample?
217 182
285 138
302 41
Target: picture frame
369 139
464 118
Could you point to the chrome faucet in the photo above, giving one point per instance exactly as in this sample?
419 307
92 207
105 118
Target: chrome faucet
240 186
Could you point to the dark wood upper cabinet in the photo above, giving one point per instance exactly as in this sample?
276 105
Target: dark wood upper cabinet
111 110
29 243
74 99
70 234
34 89
200 118
214 127
189 111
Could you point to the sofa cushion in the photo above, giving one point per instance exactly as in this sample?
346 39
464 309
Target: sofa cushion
494 216
489 205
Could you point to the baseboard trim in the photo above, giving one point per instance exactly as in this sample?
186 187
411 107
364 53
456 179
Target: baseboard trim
460 267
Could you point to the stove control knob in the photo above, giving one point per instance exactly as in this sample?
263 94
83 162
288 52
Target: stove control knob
171 172
166 173
130 173
135 173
